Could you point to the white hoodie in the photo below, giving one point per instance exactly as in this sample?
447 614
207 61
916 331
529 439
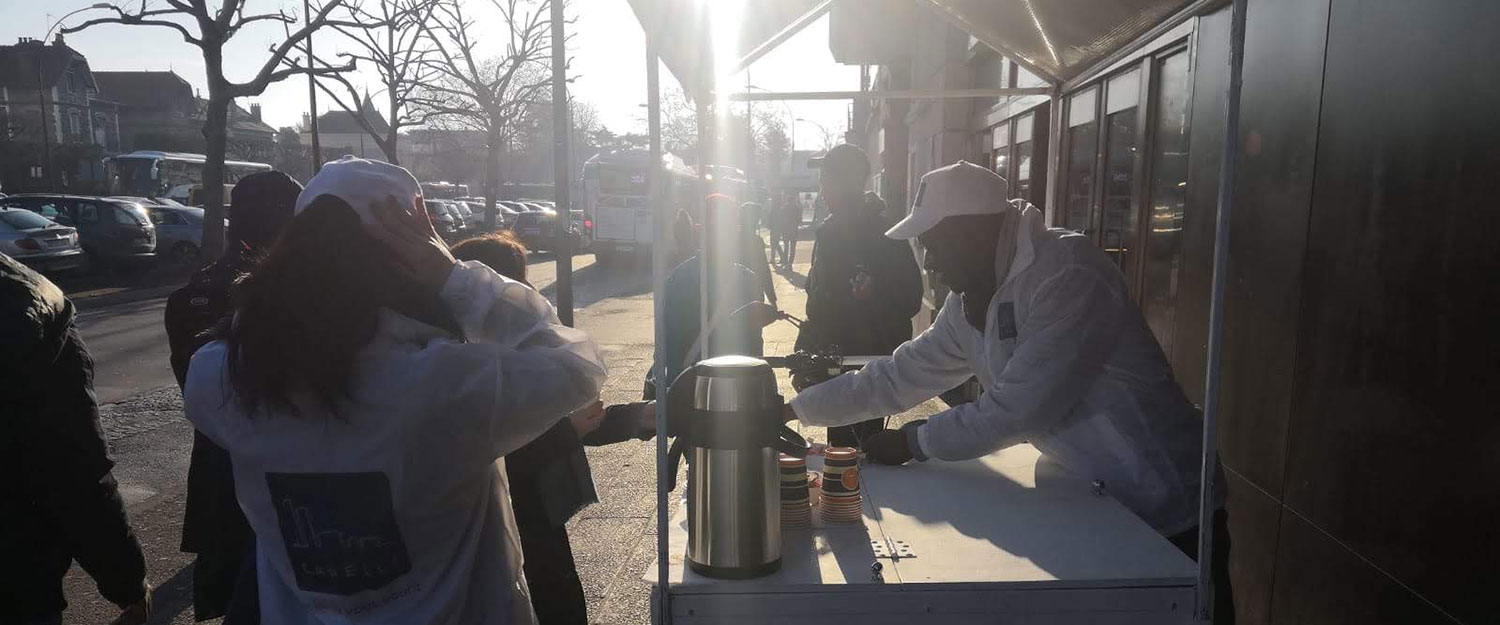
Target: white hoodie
1067 363
397 510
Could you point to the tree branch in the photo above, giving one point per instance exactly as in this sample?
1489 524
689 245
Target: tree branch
140 19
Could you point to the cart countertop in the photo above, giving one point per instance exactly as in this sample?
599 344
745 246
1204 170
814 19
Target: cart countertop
1012 519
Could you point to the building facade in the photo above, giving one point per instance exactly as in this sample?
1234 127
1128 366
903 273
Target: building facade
160 111
1355 429
51 109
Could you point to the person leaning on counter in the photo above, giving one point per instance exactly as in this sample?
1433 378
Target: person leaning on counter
1043 319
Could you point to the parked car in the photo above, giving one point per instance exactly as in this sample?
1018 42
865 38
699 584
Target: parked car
179 232
539 230
38 242
111 232
477 207
535 229
508 212
443 219
149 201
473 221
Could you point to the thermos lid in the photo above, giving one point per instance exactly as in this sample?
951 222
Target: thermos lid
733 367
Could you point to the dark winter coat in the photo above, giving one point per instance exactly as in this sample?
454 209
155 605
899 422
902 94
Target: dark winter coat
847 243
58 494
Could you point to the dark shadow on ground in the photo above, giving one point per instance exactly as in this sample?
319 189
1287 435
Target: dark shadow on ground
172 597
599 282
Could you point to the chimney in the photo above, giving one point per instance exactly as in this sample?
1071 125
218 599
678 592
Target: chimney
255 111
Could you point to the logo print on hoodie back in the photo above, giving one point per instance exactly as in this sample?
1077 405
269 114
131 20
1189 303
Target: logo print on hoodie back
339 530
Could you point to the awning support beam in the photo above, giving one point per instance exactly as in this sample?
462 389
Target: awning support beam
1208 478
907 94
779 38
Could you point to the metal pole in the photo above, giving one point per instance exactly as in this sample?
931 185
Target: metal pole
1209 469
662 222
41 98
312 94
561 134
749 145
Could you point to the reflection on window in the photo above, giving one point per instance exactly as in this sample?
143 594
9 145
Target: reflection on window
1121 228
1024 126
1169 168
1083 141
1000 139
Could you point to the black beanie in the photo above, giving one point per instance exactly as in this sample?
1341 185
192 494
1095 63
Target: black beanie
260 205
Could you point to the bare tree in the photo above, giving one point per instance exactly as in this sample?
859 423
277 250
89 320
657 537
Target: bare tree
210 30
491 94
399 51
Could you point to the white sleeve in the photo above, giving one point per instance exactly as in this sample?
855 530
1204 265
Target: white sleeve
917 371
1073 323
536 369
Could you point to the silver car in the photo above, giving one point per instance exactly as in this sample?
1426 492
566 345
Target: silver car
38 242
179 232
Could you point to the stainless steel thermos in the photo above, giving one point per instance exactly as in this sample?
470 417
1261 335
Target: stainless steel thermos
732 435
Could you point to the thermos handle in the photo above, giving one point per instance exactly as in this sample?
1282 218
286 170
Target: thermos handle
789 442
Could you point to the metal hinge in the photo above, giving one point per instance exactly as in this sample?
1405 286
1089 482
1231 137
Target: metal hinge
892 549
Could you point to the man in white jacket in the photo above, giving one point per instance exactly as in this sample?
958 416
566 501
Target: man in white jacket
393 507
1043 319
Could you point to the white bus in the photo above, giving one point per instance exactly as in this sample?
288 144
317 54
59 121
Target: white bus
173 175
615 197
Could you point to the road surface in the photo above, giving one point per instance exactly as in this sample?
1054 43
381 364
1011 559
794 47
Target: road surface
129 342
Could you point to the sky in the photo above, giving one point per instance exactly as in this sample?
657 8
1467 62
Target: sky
608 60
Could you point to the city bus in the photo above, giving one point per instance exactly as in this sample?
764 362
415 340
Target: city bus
173 175
444 190
615 197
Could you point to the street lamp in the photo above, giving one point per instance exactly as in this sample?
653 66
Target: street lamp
41 89
820 127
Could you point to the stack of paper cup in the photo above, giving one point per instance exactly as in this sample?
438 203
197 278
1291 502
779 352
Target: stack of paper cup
796 510
839 501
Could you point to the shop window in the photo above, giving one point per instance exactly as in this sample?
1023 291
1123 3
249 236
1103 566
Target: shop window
1025 124
1000 142
1083 141
1121 229
1168 199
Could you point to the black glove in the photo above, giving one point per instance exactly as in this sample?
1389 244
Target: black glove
894 447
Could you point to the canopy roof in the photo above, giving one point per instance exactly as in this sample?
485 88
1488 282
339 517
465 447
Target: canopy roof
682 33
1056 39
1060 39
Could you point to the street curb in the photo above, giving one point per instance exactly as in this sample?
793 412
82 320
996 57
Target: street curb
86 301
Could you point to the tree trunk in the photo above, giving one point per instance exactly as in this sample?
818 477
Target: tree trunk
491 177
215 130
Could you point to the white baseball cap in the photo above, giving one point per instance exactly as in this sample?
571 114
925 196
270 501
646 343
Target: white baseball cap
362 184
962 188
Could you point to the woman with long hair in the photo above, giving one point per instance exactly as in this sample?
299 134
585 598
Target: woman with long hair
365 389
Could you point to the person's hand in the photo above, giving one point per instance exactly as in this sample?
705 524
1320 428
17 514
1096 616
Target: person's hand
587 418
646 418
135 613
887 447
418 250
863 286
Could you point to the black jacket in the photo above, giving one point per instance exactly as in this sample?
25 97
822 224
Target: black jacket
57 491
212 519
847 243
